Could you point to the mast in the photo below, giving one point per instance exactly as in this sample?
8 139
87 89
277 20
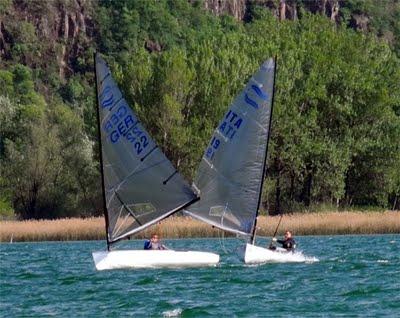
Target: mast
101 153
253 234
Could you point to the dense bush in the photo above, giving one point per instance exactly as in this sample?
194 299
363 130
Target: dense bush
336 123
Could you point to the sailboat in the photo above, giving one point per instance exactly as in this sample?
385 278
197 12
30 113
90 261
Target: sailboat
231 173
140 185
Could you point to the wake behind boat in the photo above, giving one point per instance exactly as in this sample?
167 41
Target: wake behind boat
140 185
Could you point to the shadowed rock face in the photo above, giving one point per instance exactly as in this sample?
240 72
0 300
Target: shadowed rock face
66 28
284 9
236 8
359 22
63 28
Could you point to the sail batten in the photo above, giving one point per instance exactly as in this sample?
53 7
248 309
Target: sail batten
141 186
154 221
228 181
229 178
131 174
215 224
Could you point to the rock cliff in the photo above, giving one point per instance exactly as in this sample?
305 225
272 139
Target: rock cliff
284 9
37 30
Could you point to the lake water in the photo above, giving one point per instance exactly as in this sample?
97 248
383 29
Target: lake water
356 276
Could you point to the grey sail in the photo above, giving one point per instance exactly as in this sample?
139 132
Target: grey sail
229 178
141 186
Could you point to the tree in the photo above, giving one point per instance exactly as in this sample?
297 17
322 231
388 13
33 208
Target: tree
33 169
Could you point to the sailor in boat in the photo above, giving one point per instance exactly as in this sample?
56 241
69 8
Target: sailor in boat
154 243
287 243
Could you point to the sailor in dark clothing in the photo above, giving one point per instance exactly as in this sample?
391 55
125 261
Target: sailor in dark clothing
154 243
288 242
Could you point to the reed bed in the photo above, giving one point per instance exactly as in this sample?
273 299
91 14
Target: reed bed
181 227
334 223
52 230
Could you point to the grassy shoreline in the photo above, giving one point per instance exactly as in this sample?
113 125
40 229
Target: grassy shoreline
183 227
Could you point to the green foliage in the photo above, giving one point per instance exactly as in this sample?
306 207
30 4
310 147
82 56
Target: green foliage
336 115
49 168
7 82
383 18
127 25
33 167
23 79
5 6
333 112
6 210
25 44
73 90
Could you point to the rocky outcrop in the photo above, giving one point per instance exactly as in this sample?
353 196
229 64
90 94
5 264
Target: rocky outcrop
236 8
284 9
57 28
4 39
152 46
360 22
330 8
287 10
38 30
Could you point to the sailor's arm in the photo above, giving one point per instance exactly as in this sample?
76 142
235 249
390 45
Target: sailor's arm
147 245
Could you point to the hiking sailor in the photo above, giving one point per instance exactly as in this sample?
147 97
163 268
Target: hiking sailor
154 243
288 242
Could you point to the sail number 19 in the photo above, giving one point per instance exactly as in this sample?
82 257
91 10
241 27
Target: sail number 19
215 142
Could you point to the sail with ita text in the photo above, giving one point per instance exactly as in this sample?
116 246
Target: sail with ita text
230 176
231 173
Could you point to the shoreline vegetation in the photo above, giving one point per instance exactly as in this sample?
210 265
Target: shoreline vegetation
331 223
334 138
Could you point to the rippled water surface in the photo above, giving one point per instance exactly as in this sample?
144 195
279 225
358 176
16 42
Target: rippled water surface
357 276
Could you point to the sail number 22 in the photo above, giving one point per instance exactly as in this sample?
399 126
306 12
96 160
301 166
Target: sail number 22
122 123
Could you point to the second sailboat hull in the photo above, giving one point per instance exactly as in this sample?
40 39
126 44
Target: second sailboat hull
152 258
255 254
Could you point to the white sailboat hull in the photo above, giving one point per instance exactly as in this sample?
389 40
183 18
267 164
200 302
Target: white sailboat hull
152 258
256 254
